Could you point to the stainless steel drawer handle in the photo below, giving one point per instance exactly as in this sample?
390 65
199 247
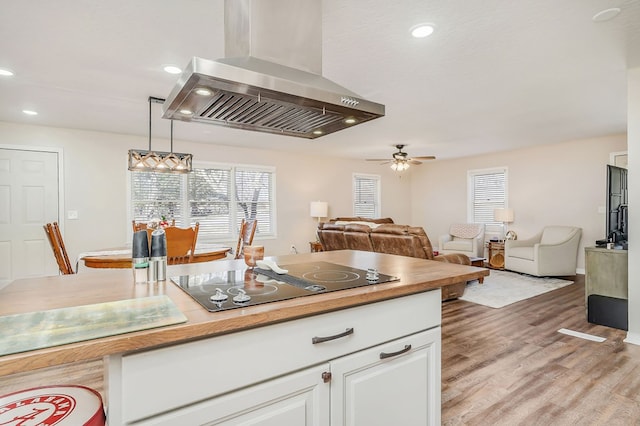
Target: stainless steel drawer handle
384 355
347 332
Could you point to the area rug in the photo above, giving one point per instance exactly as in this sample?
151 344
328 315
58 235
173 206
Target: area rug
502 288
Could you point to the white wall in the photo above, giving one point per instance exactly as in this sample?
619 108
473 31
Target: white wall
95 173
562 183
633 129
558 184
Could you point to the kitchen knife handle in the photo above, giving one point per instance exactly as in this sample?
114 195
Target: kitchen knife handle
347 332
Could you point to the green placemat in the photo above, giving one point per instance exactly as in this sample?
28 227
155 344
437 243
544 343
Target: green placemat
37 330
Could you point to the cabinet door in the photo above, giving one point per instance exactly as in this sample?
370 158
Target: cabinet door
300 398
397 383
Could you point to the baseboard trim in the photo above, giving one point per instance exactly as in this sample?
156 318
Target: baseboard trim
633 338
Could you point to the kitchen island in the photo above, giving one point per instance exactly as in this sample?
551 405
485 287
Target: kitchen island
157 374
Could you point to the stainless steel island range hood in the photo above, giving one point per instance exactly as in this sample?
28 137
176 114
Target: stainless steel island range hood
270 79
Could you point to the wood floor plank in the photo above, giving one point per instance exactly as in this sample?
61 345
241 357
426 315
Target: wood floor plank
510 366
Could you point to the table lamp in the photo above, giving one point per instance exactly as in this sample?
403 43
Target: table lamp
505 216
319 209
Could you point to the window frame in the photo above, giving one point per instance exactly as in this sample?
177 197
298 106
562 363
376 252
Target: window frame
378 191
233 208
492 228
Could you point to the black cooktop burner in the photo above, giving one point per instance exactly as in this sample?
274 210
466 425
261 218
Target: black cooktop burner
218 291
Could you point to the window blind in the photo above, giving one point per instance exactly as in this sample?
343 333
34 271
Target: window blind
218 198
209 201
254 197
154 195
489 193
366 196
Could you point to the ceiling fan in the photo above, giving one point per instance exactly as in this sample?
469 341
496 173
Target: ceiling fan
400 160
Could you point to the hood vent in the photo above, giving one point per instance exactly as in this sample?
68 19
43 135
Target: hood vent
253 88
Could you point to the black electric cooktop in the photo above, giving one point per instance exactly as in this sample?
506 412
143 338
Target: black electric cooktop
218 291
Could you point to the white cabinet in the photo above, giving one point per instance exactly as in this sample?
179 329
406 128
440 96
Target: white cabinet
300 398
277 374
393 384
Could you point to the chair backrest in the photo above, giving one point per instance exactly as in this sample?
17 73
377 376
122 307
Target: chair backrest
59 250
466 230
139 226
245 236
181 243
558 234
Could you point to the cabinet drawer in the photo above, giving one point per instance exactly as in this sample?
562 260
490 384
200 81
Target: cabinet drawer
154 381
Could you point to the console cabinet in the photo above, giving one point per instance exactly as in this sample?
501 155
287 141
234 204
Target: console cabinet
379 364
606 272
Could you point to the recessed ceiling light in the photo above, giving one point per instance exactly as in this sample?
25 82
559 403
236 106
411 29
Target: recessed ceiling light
422 30
172 69
350 120
186 112
202 91
5 72
605 15
317 132
29 112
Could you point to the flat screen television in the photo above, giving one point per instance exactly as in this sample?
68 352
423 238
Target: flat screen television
617 206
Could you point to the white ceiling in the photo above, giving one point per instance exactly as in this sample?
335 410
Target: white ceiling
495 75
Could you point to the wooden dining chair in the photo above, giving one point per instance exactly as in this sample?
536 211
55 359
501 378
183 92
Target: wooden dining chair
181 243
139 226
59 250
245 236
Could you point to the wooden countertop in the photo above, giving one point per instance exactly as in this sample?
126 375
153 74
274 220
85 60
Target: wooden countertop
38 294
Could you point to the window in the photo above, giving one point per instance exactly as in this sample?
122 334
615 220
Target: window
366 196
487 191
217 197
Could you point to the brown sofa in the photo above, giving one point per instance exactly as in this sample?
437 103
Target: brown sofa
386 237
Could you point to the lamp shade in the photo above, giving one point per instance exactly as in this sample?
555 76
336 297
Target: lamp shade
503 215
319 209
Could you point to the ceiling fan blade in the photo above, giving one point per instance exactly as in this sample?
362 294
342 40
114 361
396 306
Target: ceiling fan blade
412 161
377 159
426 157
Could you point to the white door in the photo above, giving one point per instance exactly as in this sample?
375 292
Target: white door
28 200
397 383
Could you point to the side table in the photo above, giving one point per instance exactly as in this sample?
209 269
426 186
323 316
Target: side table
496 254
315 246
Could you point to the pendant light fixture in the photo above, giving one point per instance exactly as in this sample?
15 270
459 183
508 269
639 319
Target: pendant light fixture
156 161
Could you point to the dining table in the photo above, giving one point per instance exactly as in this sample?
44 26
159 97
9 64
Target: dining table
120 257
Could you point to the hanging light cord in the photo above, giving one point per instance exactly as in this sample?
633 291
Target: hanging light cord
158 101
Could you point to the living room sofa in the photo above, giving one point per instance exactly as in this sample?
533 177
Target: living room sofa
551 252
384 236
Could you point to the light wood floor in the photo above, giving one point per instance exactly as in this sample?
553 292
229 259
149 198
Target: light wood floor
510 366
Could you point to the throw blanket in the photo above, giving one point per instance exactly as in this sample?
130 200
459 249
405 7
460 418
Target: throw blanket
465 230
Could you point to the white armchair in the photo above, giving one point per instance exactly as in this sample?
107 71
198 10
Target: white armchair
465 238
552 252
